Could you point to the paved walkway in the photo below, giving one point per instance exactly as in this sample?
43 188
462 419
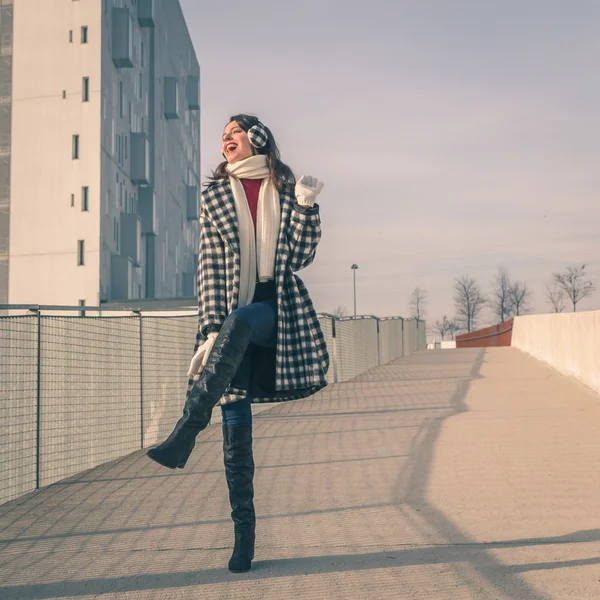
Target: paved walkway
447 475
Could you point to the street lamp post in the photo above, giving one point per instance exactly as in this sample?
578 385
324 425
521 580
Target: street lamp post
354 267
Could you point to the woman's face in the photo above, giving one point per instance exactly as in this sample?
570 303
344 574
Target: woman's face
236 145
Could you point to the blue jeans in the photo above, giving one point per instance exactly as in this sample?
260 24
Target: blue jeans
261 317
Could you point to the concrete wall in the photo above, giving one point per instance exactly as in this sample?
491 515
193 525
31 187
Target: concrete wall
42 230
569 342
48 110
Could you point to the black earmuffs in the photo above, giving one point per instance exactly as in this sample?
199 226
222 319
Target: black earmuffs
257 135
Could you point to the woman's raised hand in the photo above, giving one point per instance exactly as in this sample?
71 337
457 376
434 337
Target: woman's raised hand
307 190
201 356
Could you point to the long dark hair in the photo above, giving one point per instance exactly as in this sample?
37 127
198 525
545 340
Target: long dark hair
281 174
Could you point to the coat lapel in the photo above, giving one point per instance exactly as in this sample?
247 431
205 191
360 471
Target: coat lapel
221 209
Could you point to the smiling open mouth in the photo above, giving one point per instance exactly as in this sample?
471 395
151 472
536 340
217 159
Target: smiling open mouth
230 148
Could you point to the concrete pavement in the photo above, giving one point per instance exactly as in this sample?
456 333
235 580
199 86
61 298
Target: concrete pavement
451 474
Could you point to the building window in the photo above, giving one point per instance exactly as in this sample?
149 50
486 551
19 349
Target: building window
70 36
85 198
141 87
86 89
72 199
84 35
75 146
121 101
80 253
82 312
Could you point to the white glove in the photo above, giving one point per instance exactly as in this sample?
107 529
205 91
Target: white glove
201 356
307 190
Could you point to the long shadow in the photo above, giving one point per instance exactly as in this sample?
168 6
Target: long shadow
183 525
413 494
448 554
352 413
257 468
410 491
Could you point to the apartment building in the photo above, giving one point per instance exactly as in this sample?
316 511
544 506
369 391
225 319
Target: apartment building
100 159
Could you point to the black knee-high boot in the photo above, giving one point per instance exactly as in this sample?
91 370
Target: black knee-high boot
223 362
239 471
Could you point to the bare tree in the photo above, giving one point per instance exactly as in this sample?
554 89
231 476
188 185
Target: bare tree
519 295
556 297
469 301
445 327
339 311
501 301
574 284
418 303
441 327
453 328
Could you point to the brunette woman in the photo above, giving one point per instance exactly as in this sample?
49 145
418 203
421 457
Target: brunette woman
259 339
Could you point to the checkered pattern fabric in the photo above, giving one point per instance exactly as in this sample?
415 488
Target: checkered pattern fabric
301 359
258 136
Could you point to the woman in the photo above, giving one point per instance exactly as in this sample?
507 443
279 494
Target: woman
259 338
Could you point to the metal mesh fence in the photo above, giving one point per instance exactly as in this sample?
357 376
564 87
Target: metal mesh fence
357 346
390 339
18 406
77 391
167 346
89 393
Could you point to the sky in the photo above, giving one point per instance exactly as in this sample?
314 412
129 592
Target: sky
453 137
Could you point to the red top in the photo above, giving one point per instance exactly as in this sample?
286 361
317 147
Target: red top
252 188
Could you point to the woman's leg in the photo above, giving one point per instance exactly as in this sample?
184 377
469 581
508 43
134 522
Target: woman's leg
239 473
256 323
237 414
261 318
238 458
222 364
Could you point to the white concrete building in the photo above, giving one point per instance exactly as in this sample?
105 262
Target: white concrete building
103 148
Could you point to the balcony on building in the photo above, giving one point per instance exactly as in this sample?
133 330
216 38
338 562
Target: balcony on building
188 280
146 13
147 208
192 91
121 275
122 38
191 194
171 98
140 159
131 238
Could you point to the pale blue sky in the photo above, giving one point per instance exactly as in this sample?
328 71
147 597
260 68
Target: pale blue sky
452 136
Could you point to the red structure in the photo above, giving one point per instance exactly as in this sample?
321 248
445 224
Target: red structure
496 335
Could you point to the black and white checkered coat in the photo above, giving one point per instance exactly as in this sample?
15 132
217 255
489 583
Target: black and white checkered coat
297 367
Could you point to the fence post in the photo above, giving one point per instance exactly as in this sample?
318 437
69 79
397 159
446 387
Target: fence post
38 433
378 343
335 371
140 320
402 337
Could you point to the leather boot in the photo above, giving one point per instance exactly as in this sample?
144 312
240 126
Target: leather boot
223 362
239 471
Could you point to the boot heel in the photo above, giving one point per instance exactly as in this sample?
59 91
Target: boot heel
239 472
243 553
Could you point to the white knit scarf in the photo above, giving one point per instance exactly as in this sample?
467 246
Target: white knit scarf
255 251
